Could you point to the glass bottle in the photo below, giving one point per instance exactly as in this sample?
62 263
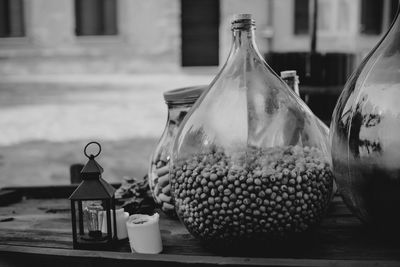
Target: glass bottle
249 161
365 133
292 80
179 102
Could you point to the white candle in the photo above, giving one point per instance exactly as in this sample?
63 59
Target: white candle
121 218
144 233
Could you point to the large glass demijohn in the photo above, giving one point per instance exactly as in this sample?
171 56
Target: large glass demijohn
365 136
249 161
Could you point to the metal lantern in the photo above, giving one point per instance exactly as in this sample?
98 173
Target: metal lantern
92 206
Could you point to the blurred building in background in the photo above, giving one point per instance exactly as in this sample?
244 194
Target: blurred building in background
46 119
352 26
123 36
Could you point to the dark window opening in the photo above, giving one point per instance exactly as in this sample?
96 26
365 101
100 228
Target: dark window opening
301 16
393 9
200 32
12 18
371 16
96 17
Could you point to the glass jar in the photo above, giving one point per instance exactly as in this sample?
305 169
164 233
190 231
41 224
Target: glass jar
179 102
365 139
249 162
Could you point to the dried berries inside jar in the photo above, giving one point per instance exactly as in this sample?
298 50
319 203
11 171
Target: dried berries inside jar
264 193
179 102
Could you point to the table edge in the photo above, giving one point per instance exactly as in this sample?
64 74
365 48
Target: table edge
85 256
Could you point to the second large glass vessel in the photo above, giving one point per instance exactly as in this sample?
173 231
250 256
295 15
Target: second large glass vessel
249 161
365 133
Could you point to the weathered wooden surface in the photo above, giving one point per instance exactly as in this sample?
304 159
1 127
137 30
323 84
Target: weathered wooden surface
40 229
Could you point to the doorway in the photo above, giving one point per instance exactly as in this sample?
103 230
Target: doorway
200 32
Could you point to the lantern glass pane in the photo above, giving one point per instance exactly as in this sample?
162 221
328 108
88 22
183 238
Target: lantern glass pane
93 216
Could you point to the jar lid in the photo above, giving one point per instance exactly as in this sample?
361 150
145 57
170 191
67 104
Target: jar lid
186 95
236 17
290 75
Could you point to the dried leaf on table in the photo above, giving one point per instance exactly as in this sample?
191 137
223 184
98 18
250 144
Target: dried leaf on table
134 195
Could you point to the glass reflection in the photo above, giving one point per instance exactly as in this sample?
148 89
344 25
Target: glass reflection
365 136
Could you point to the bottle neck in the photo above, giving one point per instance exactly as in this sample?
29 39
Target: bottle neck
244 51
244 38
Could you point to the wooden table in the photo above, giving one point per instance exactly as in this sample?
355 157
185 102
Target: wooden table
35 230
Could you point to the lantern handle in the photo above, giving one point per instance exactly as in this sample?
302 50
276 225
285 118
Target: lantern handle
91 155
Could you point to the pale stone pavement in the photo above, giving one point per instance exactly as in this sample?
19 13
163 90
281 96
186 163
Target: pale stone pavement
45 121
75 107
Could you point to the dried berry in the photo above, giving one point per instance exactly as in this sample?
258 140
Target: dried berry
262 194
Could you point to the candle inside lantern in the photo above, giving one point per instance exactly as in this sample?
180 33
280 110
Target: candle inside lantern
121 217
93 216
144 233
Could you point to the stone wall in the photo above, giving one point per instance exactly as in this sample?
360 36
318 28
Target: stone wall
149 37
351 41
149 32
